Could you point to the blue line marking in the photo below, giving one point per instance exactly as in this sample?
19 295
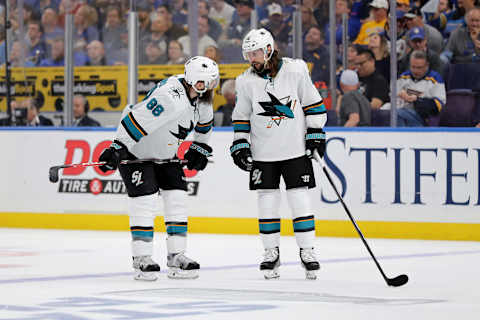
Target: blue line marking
242 266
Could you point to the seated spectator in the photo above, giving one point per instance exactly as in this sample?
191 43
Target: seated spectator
112 29
463 46
421 92
316 53
379 46
372 84
204 40
418 41
155 53
446 23
120 56
85 31
278 27
434 37
144 8
174 31
240 24
354 24
352 52
34 118
354 107
403 5
15 57
175 53
158 29
96 54
222 12
80 113
213 53
223 115
377 25
180 15
51 29
36 46
58 56
214 28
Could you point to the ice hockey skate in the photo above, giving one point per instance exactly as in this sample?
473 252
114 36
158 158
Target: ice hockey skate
309 263
182 267
145 268
270 263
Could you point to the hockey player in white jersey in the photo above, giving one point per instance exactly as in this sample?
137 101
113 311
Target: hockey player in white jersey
154 128
278 120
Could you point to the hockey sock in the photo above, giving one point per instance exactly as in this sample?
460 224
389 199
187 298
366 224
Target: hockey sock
303 219
141 211
175 220
269 218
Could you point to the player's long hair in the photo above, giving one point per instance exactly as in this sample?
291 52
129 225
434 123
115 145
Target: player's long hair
271 67
207 97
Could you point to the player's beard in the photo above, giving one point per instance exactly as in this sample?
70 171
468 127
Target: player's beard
259 68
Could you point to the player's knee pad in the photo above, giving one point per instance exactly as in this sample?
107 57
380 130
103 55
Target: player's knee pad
268 203
175 205
144 206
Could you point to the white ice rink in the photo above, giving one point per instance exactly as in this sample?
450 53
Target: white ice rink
77 275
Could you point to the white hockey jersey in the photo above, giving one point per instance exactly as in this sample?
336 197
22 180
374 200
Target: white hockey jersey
275 112
156 126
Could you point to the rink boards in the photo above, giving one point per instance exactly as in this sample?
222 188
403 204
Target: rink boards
421 184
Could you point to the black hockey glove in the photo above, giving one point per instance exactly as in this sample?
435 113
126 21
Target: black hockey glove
315 140
197 156
425 107
241 154
113 155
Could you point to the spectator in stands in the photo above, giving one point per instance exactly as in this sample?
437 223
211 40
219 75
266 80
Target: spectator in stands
446 23
316 53
278 27
96 54
157 34
80 113
372 84
213 53
354 109
175 53
403 5
2 44
421 92
379 46
144 8
174 31
418 41
58 56
308 20
16 59
85 30
204 40
51 30
222 12
240 24
155 53
36 46
262 11
434 37
463 46
223 115
288 8
180 14
120 56
112 29
354 24
214 28
320 10
352 52
34 118
377 25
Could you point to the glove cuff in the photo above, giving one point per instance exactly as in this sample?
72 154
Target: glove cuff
117 145
239 144
201 148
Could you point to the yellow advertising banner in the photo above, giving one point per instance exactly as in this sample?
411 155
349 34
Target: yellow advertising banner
105 87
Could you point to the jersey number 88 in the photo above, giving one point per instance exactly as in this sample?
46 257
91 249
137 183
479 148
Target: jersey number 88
156 108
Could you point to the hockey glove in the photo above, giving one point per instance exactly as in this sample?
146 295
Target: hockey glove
112 156
241 154
197 156
425 107
315 140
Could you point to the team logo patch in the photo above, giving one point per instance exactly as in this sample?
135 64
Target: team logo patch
176 92
276 109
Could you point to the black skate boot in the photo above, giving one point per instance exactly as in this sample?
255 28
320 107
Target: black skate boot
182 267
270 263
309 263
145 268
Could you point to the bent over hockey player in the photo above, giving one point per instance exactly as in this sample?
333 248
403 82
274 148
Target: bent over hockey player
154 128
278 121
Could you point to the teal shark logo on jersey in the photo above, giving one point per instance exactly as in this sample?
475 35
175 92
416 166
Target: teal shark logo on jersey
276 109
182 132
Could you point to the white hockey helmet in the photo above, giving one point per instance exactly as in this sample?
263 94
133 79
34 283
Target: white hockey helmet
202 69
258 39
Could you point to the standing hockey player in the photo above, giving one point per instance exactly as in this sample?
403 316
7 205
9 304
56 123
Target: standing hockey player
154 128
278 121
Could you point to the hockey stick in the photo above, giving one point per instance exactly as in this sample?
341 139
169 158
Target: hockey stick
53 171
394 282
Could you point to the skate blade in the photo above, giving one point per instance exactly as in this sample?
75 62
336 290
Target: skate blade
271 274
145 276
177 273
311 275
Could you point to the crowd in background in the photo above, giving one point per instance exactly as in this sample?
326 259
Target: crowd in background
431 39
